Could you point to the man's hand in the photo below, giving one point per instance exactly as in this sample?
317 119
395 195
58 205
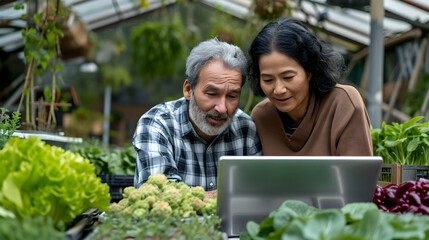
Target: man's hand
210 194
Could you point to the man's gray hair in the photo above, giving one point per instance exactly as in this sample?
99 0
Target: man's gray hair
213 49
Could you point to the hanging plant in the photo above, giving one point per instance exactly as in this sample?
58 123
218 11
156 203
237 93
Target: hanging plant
270 9
227 29
75 42
41 48
115 76
159 47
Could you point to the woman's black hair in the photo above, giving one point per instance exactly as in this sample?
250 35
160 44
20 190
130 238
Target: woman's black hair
292 38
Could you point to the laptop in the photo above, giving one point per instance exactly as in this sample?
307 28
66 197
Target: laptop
251 187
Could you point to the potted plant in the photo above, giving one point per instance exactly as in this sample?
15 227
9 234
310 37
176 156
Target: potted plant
404 148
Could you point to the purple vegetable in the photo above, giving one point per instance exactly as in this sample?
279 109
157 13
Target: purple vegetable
390 193
396 209
424 209
410 196
379 196
382 207
413 209
414 197
423 184
403 188
425 198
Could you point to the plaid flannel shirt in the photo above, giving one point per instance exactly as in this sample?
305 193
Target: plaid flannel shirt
166 142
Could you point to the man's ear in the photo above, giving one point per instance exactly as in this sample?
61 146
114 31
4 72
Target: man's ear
187 90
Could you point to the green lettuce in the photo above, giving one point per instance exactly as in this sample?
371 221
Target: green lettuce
37 179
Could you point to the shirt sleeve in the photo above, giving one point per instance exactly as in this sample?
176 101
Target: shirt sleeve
154 151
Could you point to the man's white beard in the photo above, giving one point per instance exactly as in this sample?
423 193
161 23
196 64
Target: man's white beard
198 116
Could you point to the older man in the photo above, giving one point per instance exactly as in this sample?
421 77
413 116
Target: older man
184 139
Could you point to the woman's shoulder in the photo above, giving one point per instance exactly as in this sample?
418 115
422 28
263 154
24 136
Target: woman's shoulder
265 102
262 108
349 89
342 93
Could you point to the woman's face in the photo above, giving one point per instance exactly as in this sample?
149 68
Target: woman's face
285 83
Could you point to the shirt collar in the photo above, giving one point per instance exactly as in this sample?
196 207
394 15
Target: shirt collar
186 126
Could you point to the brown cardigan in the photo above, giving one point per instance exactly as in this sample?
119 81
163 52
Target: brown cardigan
335 124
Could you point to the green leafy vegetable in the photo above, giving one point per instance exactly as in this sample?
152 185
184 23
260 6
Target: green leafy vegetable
406 143
118 161
29 228
354 221
161 196
37 179
8 125
6 214
115 226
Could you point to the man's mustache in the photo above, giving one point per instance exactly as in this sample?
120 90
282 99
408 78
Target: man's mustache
217 115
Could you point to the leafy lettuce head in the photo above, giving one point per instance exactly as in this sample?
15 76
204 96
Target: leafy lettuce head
37 179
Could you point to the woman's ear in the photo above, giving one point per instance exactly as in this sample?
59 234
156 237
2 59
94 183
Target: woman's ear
187 90
309 76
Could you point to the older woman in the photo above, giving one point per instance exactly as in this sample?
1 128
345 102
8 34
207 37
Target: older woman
307 112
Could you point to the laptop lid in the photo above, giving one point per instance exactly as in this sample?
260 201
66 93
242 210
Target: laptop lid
250 187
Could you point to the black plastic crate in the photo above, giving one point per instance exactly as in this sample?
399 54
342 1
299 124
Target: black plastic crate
103 177
414 172
117 183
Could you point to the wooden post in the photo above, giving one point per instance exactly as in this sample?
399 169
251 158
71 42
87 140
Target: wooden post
397 174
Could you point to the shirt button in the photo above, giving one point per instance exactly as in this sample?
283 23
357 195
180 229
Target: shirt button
211 183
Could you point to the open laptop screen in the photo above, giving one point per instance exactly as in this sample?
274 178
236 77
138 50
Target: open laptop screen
250 187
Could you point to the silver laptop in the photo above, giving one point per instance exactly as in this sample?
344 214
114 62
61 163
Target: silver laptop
250 187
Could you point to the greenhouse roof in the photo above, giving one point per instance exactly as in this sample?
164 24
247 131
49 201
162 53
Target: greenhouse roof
348 26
